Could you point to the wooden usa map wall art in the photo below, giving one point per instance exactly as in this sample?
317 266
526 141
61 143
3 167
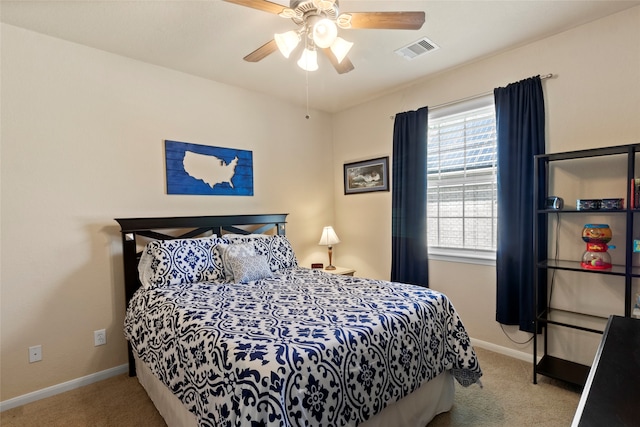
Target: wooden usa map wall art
202 169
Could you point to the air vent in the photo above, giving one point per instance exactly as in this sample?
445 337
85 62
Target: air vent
417 48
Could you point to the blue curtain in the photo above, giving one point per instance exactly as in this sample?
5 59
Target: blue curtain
520 131
409 257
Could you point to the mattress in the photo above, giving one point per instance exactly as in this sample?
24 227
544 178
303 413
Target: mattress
299 348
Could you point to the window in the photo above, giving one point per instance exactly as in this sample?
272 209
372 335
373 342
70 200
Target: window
461 176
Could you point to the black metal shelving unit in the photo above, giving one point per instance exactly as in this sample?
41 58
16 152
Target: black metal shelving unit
551 366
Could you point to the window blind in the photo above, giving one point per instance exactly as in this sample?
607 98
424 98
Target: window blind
461 189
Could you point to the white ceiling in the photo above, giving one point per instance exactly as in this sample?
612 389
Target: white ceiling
209 38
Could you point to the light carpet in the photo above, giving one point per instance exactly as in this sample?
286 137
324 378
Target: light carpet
508 398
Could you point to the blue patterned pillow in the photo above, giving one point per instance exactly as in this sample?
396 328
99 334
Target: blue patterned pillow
174 262
246 268
277 249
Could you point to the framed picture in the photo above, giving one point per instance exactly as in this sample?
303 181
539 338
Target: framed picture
366 176
206 170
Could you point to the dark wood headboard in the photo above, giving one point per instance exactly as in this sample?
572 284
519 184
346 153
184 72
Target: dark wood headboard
184 227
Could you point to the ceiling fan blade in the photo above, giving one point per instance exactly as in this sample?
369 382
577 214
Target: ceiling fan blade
262 52
387 20
263 5
341 67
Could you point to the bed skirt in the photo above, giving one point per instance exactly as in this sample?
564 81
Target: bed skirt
415 410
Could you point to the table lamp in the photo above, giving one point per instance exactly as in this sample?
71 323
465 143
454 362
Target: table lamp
329 238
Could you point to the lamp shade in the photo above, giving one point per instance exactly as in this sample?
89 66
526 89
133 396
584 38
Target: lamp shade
324 33
340 48
286 42
308 60
328 237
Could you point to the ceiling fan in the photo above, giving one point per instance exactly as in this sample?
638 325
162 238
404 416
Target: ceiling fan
318 22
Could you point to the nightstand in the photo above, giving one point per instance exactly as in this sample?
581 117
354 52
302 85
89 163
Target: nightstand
341 270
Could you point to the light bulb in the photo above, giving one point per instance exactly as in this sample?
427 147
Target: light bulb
324 33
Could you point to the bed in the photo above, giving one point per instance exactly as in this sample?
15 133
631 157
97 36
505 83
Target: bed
224 328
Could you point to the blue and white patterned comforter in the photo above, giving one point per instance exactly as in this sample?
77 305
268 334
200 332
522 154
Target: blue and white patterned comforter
301 348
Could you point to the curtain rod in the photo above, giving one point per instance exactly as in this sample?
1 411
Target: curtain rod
470 98
480 95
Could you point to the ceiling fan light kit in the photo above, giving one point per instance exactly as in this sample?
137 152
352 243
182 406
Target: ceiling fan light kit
340 48
324 33
323 4
317 29
318 22
287 42
308 60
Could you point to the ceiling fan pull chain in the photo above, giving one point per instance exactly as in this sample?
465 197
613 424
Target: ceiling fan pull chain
306 72
306 78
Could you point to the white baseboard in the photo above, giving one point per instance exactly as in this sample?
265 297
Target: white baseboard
521 355
61 388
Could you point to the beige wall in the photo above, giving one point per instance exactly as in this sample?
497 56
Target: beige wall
82 143
82 134
593 101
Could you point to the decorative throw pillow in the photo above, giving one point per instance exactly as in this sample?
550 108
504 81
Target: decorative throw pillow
277 248
231 251
178 261
248 268
246 237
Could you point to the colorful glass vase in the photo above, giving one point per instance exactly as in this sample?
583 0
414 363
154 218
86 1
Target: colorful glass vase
596 256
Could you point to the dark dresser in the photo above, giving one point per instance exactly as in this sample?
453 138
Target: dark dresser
611 396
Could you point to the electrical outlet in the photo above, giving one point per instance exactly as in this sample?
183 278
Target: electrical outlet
35 353
99 337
